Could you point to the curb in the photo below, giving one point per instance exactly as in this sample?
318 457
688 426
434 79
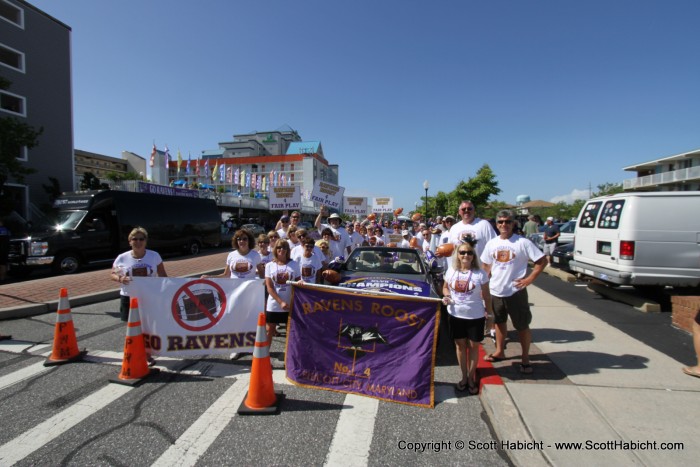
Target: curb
560 273
508 425
638 303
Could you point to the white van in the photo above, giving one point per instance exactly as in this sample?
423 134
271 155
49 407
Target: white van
640 239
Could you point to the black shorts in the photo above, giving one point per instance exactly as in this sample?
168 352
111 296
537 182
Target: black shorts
461 328
276 317
124 306
516 306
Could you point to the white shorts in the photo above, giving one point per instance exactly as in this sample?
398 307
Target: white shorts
548 248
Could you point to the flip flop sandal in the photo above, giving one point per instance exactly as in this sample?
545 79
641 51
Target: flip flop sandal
526 369
461 387
474 390
492 358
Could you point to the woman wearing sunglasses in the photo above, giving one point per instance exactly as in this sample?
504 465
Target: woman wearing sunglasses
242 262
467 296
310 263
137 262
278 272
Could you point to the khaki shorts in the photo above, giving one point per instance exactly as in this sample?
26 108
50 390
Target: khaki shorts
548 248
516 306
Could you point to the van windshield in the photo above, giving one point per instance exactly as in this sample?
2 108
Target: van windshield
68 220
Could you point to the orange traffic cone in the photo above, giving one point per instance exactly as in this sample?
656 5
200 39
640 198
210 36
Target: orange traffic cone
135 363
65 345
261 398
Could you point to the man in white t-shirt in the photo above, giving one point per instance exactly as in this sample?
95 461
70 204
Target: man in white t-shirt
471 228
339 233
506 259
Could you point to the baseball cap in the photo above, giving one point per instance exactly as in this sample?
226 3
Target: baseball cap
334 216
404 233
550 219
284 218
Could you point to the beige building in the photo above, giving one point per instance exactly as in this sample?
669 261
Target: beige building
673 173
100 165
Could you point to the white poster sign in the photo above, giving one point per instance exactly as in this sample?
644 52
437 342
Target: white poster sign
355 206
285 197
382 205
189 317
327 194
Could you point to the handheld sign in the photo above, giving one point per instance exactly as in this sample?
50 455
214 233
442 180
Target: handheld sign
327 194
355 206
383 205
285 197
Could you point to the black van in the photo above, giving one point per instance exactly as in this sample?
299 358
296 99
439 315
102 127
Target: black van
93 227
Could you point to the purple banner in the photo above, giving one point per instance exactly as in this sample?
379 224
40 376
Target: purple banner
372 345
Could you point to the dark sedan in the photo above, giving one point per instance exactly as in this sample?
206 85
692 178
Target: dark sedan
562 255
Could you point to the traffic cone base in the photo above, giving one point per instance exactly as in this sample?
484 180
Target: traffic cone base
274 409
135 364
134 381
261 398
65 345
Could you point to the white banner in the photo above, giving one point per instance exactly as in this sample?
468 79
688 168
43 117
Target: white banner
183 317
285 197
327 194
355 206
381 205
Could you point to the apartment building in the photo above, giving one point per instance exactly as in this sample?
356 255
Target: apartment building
672 173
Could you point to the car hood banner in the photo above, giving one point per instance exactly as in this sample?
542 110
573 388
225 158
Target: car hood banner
379 346
189 317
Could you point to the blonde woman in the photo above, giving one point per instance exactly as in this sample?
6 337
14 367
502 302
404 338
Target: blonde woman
137 262
467 296
278 272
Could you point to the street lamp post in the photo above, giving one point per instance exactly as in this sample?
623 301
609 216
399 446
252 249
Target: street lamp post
426 185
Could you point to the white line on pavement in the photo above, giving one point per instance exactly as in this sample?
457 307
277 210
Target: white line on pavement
353 432
31 440
23 374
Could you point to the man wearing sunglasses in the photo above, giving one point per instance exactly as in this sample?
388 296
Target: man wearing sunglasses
471 229
506 259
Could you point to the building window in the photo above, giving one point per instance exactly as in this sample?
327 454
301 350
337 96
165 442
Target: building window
292 167
11 13
23 154
281 167
11 58
12 103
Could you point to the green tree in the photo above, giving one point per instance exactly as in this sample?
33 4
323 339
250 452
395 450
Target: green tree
121 176
608 188
91 182
478 189
14 135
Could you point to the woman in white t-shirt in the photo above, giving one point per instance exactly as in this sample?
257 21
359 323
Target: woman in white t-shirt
137 262
278 272
243 261
467 296
310 264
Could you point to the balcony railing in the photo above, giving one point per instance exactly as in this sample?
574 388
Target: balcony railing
690 174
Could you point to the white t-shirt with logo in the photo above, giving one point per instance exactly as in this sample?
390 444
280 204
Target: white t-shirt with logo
465 289
481 230
508 259
308 267
280 274
126 265
243 266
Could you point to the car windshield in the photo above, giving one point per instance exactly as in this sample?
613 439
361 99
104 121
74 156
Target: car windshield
568 227
68 220
387 260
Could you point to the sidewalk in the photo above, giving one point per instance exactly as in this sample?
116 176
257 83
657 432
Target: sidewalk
33 297
592 383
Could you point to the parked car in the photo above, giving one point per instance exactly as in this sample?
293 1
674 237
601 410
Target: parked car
566 232
562 255
537 239
396 270
255 229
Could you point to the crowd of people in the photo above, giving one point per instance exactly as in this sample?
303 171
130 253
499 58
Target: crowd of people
484 283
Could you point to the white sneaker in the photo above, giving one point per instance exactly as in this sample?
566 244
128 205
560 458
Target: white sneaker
492 333
236 355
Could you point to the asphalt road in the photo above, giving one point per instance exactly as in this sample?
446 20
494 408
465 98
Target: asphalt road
72 415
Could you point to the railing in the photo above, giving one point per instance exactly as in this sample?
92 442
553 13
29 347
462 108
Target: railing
675 176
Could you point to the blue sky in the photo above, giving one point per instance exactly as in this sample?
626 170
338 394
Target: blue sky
554 95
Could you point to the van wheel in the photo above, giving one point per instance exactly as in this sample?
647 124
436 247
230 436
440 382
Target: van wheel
66 263
194 248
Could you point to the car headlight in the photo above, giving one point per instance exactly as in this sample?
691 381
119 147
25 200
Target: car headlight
38 248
